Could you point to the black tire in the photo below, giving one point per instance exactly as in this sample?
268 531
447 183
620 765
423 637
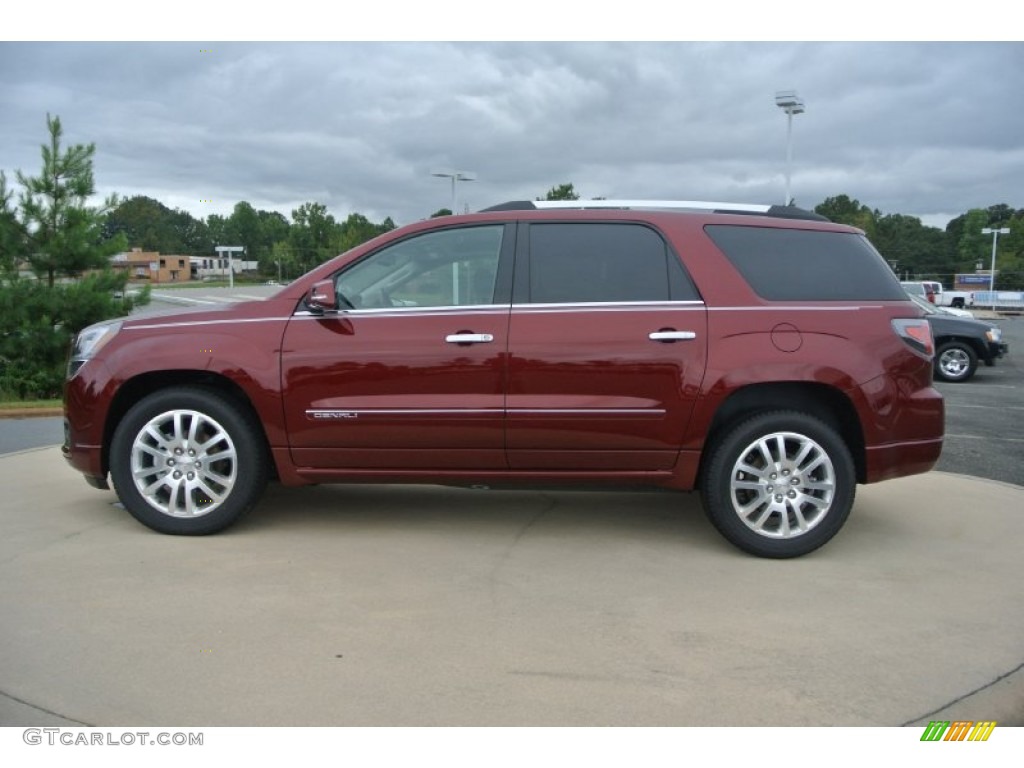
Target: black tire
760 515
195 494
955 361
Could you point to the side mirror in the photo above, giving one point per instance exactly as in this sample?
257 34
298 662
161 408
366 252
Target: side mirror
322 296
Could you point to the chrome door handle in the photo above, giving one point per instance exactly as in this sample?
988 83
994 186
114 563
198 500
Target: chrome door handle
672 335
468 338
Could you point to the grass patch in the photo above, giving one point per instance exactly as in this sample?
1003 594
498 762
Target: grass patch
7 405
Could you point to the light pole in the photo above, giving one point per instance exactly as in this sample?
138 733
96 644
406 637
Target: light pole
455 176
791 104
992 275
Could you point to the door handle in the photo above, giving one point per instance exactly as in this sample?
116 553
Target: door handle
469 338
669 335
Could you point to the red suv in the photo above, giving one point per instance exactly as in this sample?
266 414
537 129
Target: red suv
762 355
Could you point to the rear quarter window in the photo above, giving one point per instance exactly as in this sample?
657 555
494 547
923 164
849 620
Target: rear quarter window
807 265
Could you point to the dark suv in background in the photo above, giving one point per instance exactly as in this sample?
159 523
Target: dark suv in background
760 354
961 342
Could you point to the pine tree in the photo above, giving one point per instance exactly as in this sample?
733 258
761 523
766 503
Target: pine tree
65 235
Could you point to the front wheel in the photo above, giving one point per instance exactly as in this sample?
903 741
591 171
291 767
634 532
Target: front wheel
779 485
188 461
955 361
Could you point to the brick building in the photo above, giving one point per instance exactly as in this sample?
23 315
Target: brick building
152 266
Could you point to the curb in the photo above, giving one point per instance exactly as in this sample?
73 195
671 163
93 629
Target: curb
29 413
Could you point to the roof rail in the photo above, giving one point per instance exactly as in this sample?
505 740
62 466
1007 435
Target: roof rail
779 211
686 205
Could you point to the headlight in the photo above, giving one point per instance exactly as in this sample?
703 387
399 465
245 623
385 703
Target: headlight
993 334
90 341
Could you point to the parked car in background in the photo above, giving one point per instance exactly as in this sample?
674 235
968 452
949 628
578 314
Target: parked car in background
920 290
951 311
759 354
933 291
954 299
961 342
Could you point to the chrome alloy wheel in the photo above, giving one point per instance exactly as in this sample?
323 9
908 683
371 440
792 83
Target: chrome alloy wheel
184 463
782 485
954 362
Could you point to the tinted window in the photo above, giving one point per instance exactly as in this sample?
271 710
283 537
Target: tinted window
588 262
454 267
802 265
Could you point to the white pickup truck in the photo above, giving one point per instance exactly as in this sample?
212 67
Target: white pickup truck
932 290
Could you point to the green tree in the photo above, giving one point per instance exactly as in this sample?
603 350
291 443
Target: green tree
441 212
312 233
972 246
217 228
60 237
284 261
65 236
149 224
12 234
1009 253
192 236
357 229
914 248
273 229
844 210
561 192
144 222
243 228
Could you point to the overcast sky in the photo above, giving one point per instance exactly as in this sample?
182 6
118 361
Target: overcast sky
926 129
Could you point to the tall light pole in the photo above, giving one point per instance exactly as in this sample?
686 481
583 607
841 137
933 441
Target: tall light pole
992 275
455 176
791 104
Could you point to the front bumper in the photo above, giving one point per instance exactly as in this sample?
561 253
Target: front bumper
998 349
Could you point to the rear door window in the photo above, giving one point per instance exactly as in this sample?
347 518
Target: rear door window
588 262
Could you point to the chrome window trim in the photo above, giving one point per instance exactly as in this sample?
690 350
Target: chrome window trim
185 324
490 309
607 306
789 308
468 309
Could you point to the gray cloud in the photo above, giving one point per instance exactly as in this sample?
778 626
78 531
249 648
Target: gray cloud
927 129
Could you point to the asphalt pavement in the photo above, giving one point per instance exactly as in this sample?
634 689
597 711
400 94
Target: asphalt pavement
19 434
985 416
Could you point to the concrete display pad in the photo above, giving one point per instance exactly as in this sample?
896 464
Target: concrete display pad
413 605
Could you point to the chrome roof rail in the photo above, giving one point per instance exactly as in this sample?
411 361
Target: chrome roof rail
775 211
685 205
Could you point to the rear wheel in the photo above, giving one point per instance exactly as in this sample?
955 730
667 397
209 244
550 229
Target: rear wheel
955 361
780 484
188 461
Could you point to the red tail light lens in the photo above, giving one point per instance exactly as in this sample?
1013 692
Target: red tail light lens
917 333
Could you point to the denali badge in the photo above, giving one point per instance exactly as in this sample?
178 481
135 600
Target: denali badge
332 415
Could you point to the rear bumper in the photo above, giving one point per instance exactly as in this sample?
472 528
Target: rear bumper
884 462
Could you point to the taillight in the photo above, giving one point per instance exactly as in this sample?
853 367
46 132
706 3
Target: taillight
917 333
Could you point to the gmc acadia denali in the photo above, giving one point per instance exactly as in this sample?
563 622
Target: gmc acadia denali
762 355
